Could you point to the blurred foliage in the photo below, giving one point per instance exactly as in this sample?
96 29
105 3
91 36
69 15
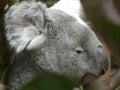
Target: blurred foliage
47 81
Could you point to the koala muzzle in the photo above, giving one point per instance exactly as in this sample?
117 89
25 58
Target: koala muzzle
102 59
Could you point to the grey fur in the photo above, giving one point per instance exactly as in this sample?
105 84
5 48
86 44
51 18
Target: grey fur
64 35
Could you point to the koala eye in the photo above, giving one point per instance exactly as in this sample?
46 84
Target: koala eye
79 51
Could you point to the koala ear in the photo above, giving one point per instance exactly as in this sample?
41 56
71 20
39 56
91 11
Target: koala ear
25 25
69 6
31 39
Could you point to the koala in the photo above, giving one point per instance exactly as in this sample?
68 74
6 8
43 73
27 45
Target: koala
54 40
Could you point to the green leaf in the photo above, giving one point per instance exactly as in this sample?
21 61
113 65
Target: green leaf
47 81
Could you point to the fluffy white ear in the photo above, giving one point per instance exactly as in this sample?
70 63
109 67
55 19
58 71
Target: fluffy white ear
30 39
25 25
69 6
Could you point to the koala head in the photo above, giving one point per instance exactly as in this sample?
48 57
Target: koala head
61 41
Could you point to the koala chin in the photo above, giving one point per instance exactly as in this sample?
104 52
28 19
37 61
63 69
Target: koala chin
61 42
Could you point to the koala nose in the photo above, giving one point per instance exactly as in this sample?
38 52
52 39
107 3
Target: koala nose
102 59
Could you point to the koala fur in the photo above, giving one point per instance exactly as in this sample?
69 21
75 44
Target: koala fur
52 39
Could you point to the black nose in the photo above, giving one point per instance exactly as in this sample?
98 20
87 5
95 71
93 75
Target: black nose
102 59
103 71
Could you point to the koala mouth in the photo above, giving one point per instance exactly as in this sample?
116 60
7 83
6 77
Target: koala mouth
87 79
104 66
